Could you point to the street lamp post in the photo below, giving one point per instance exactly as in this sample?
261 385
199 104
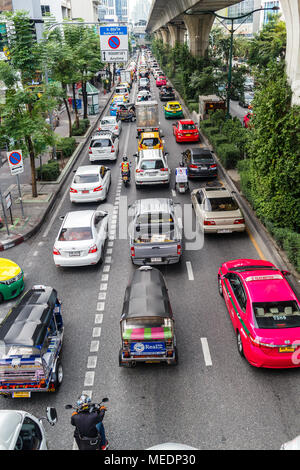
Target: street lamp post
231 31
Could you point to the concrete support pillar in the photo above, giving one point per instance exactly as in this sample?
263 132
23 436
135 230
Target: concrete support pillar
176 34
198 27
158 35
291 12
165 36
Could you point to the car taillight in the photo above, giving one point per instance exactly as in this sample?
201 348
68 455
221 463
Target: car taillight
193 166
72 190
116 127
213 167
239 221
112 149
132 251
179 249
99 128
90 150
209 222
163 169
99 188
56 251
93 249
139 171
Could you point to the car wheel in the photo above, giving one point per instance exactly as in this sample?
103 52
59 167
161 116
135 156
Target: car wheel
101 259
58 375
220 289
239 344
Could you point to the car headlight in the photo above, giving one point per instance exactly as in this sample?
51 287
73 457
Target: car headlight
12 280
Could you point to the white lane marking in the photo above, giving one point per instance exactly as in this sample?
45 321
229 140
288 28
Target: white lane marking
94 346
106 269
100 306
110 244
173 193
35 253
107 260
98 318
103 287
89 379
92 362
97 332
190 271
206 352
45 234
104 277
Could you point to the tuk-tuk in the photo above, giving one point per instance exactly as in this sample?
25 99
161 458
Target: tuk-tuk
126 112
147 324
31 338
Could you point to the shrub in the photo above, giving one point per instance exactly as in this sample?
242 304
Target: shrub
66 146
83 126
218 139
229 155
210 131
49 172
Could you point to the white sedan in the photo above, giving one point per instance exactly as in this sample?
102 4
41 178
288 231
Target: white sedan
90 184
112 124
81 239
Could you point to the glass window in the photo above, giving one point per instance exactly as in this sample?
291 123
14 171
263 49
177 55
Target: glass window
285 314
75 234
150 142
238 290
30 437
86 179
187 127
220 204
101 143
152 165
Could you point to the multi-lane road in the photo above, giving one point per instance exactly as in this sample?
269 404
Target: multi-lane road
212 399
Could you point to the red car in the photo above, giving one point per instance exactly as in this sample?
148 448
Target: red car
185 130
264 311
161 81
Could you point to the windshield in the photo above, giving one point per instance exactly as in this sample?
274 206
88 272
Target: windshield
188 127
152 165
108 121
284 314
75 234
202 157
86 179
220 204
144 322
101 143
150 141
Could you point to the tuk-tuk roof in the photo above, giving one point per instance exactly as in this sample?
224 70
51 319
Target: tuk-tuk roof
26 324
146 295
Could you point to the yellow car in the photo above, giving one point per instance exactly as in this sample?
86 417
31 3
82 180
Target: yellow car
150 140
173 109
11 279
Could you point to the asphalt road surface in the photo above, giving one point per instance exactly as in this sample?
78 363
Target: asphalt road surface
212 399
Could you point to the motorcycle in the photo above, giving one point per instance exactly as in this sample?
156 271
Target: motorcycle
126 178
92 407
182 187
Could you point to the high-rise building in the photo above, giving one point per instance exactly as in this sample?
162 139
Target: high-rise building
85 9
59 9
139 10
116 10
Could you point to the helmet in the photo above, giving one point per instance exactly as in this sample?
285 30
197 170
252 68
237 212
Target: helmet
83 402
125 159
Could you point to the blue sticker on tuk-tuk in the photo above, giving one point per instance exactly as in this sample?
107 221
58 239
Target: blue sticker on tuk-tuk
148 348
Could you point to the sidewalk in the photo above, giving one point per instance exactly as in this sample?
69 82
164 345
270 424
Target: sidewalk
36 209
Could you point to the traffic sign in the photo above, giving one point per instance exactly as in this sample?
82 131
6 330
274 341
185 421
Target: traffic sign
114 56
15 161
113 38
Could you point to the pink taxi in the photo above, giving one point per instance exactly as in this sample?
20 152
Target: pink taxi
161 81
264 311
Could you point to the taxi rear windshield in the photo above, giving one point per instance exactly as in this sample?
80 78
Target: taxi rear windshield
86 179
220 204
285 314
150 141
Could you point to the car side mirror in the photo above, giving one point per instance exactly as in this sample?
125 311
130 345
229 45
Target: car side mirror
61 217
285 273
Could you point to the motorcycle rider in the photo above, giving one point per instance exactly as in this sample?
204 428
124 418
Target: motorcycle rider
89 430
181 175
125 166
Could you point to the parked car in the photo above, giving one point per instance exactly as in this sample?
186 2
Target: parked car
246 100
217 211
103 146
81 239
173 109
264 311
200 163
21 430
185 130
90 184
151 168
112 124
166 93
155 233
11 279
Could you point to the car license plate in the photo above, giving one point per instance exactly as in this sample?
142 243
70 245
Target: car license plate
86 191
152 173
188 135
287 349
224 230
202 167
155 260
21 394
74 253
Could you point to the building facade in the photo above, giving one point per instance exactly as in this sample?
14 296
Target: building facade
60 9
86 10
